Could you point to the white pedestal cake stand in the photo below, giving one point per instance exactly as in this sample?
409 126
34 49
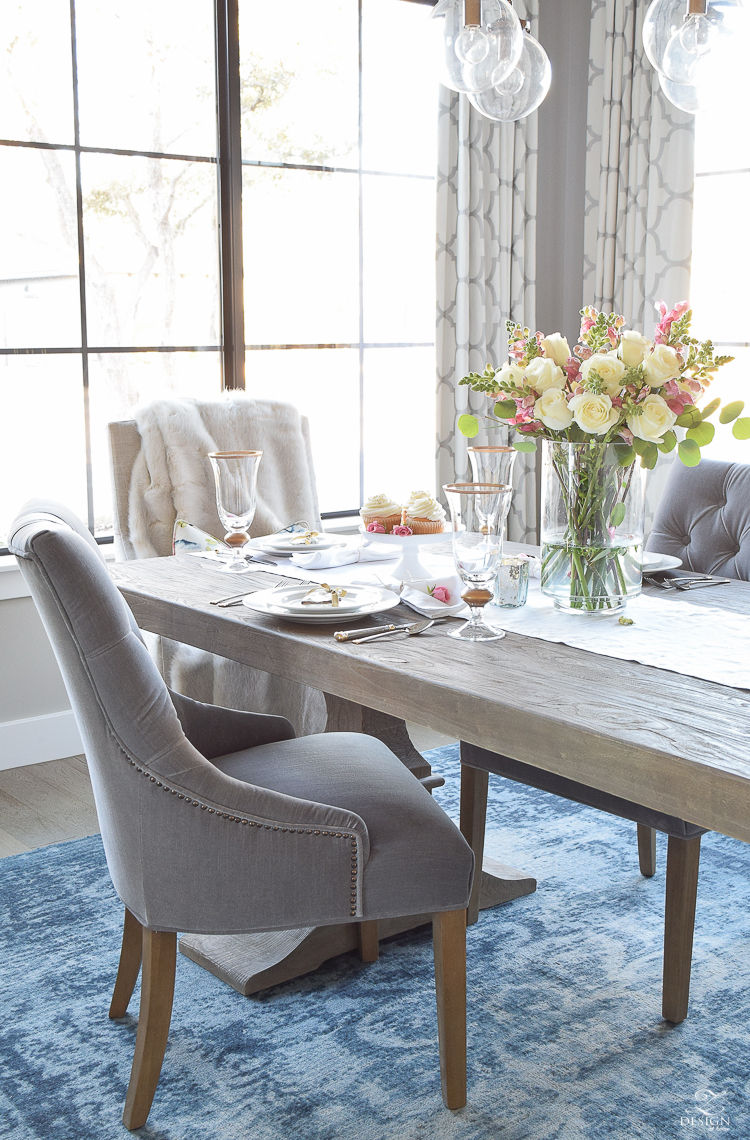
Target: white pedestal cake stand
409 565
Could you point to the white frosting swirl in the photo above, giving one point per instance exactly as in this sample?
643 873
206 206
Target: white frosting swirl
380 506
420 505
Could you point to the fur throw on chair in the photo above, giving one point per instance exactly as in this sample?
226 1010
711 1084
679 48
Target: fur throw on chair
172 478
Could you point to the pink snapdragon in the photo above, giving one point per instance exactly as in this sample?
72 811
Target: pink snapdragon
668 318
403 531
572 369
627 435
440 593
375 528
677 399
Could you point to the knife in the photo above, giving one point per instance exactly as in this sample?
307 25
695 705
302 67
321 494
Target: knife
409 630
351 634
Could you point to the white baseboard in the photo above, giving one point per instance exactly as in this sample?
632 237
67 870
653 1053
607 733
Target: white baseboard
39 738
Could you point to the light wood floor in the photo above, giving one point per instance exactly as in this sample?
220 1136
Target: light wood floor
48 803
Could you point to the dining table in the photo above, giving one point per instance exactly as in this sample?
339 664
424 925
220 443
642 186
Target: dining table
677 743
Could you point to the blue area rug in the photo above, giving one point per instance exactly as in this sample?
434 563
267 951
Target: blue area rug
565 1038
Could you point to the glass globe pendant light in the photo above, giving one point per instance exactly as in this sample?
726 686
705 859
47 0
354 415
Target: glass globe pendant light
681 95
662 20
692 50
522 90
479 42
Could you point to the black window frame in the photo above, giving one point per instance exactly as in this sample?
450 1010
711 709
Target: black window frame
229 163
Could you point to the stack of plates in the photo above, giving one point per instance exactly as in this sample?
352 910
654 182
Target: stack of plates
286 603
284 544
653 562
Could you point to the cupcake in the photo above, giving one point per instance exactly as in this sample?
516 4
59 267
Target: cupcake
381 509
423 514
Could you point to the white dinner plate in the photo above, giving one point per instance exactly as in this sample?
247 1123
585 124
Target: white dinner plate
285 545
652 561
286 603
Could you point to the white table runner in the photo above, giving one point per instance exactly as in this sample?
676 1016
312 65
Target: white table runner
697 640
668 633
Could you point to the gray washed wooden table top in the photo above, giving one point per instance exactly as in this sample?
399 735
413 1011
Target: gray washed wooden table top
674 743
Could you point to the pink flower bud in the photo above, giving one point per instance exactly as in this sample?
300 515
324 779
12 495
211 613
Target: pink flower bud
441 593
376 528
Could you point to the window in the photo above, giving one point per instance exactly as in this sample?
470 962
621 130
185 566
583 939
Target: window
110 282
720 285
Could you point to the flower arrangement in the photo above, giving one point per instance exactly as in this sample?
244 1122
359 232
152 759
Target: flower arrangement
616 397
615 385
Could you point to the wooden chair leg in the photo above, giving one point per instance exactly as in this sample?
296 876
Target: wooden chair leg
369 947
646 850
683 857
157 991
449 944
474 785
129 967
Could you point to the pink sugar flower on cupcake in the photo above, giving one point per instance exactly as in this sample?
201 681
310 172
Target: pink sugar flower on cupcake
402 530
375 528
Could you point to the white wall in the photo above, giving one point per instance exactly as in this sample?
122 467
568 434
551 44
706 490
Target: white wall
36 722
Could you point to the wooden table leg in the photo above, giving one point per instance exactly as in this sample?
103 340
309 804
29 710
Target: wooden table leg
646 850
683 857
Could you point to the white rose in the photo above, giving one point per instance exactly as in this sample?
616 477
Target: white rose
542 374
657 418
633 348
661 365
511 374
552 409
556 348
608 367
594 413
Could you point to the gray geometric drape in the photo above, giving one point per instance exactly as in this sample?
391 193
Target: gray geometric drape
486 229
639 175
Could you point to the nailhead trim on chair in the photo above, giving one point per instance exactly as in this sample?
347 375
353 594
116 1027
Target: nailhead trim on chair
265 826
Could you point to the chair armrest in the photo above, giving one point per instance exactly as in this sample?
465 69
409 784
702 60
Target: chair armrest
216 731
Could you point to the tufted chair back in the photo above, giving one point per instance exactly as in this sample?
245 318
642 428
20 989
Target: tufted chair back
704 518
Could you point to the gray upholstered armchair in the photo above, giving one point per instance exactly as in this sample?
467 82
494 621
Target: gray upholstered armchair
704 518
215 821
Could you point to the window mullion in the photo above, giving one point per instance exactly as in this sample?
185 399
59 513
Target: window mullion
230 191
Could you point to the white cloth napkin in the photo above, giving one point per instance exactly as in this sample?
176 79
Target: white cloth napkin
339 556
416 594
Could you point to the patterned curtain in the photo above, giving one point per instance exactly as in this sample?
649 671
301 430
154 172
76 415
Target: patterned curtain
486 225
639 175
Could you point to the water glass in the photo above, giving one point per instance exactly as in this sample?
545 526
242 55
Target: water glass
478 512
236 477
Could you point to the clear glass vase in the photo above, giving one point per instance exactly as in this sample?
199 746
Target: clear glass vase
592 527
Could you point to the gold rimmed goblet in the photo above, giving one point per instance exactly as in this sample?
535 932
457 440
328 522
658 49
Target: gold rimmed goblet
236 478
478 513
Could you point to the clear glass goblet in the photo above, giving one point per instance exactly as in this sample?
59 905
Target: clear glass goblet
478 513
236 477
494 464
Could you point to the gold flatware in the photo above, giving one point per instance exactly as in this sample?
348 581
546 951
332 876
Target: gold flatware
410 631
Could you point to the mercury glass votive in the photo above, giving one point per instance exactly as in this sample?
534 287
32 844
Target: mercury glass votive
512 582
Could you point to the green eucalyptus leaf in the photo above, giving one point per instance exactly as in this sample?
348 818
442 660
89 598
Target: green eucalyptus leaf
710 408
504 409
627 456
703 433
689 452
468 425
618 514
649 456
689 418
576 434
741 429
669 444
730 411
525 445
639 445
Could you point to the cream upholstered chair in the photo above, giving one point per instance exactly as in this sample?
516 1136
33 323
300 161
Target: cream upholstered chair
202 675
221 821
